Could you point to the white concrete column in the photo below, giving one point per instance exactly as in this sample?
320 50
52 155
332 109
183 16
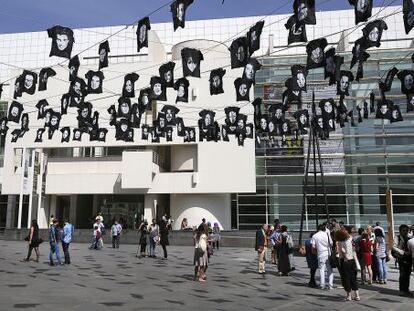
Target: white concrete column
11 207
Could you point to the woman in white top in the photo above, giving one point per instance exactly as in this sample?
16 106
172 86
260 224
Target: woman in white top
347 263
200 253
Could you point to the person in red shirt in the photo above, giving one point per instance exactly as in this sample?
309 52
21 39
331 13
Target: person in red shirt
366 248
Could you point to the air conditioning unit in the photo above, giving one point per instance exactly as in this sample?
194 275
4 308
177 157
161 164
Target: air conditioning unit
195 179
194 93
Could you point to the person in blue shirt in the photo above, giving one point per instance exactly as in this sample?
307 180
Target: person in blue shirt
67 239
312 261
54 242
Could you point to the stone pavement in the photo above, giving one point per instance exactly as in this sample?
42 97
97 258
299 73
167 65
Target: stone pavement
112 279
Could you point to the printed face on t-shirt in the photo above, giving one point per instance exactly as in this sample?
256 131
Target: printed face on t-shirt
362 6
28 81
327 107
303 119
181 91
408 81
344 83
191 65
253 37
374 34
180 12
157 89
240 54
124 108
207 120
243 90
168 115
302 11
128 86
84 112
278 113
320 122
384 109
95 82
216 81
395 114
14 111
102 54
271 126
77 88
168 76
142 33
263 124
53 121
316 55
65 134
249 71
62 41
300 79
232 116
145 99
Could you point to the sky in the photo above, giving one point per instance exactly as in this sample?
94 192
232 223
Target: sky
39 15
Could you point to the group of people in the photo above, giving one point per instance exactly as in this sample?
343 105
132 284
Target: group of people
99 231
154 234
58 234
335 245
279 241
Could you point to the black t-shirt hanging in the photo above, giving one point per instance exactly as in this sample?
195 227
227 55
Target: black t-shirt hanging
178 10
41 104
373 33
62 41
180 126
181 86
302 118
158 89
128 90
408 15
277 112
305 11
359 53
386 85
216 81
384 109
396 115
342 86
297 31
290 95
410 102
232 114
145 98
39 135
103 54
54 120
239 52
191 59
316 55
122 128
65 134
77 134
45 73
299 74
253 37
124 108
145 130
29 80
366 111
73 67
327 107
363 9
142 33
407 81
95 80
15 112
249 72
333 64
242 89
372 102
167 73
169 133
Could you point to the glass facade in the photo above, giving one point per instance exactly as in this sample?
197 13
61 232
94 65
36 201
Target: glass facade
360 163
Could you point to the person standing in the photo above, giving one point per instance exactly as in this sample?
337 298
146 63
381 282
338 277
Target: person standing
311 260
216 236
101 227
366 248
261 247
34 241
322 245
285 248
200 253
347 263
143 229
67 236
116 234
153 237
380 251
54 243
163 231
401 251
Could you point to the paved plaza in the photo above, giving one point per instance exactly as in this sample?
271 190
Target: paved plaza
114 279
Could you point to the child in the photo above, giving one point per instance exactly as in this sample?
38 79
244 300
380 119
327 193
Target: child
97 235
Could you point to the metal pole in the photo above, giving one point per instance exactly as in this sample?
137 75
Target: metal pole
19 216
322 180
315 182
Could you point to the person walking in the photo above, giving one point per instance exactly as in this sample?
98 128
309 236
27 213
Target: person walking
153 237
322 245
101 227
347 263
163 232
380 251
285 248
200 253
67 236
311 260
116 234
34 241
401 251
143 230
54 243
261 247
